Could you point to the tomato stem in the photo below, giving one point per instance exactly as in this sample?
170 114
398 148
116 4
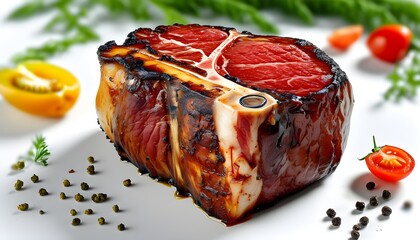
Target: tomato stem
374 149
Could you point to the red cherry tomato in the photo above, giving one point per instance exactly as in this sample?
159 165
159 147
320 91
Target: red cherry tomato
390 42
389 163
342 38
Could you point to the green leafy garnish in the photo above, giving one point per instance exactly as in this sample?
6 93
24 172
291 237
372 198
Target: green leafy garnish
37 153
75 21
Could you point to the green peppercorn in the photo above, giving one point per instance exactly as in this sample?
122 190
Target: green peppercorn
79 197
115 208
100 197
35 178
73 212
42 192
63 196
101 221
18 185
84 186
66 183
19 165
89 211
90 169
41 212
121 227
127 182
23 207
76 221
91 159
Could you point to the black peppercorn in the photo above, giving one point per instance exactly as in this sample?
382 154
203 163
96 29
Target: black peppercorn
364 221
407 205
336 221
331 213
360 206
41 212
386 211
370 185
373 201
355 234
386 194
357 227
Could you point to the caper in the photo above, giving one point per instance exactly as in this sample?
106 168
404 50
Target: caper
84 186
41 212
90 169
75 221
18 185
42 192
121 227
127 182
19 165
91 159
100 197
101 221
115 208
89 211
79 197
63 196
73 212
23 207
66 183
35 178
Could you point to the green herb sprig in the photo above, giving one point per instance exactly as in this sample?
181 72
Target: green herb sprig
38 153
74 20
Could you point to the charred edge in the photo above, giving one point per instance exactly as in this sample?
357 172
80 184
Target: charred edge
246 32
106 47
234 79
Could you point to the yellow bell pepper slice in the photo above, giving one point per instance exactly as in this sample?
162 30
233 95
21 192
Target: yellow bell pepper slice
39 88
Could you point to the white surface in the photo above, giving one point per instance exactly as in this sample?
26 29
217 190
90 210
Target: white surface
149 209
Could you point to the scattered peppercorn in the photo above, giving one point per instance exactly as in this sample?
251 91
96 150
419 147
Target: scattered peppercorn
360 206
121 227
364 221
23 207
19 165
407 205
72 171
63 196
355 234
91 159
386 194
90 169
127 182
73 212
76 221
43 192
89 211
336 221
84 186
370 185
66 183
115 208
357 227
18 185
331 213
386 211
41 212
101 221
373 201
79 197
100 197
35 178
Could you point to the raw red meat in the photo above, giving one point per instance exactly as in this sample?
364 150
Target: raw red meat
235 120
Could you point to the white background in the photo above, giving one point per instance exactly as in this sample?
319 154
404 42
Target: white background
149 209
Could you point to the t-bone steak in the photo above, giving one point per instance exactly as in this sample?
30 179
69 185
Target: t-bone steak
235 120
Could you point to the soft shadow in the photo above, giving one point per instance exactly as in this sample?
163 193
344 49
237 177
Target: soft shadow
333 52
16 123
359 186
372 65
